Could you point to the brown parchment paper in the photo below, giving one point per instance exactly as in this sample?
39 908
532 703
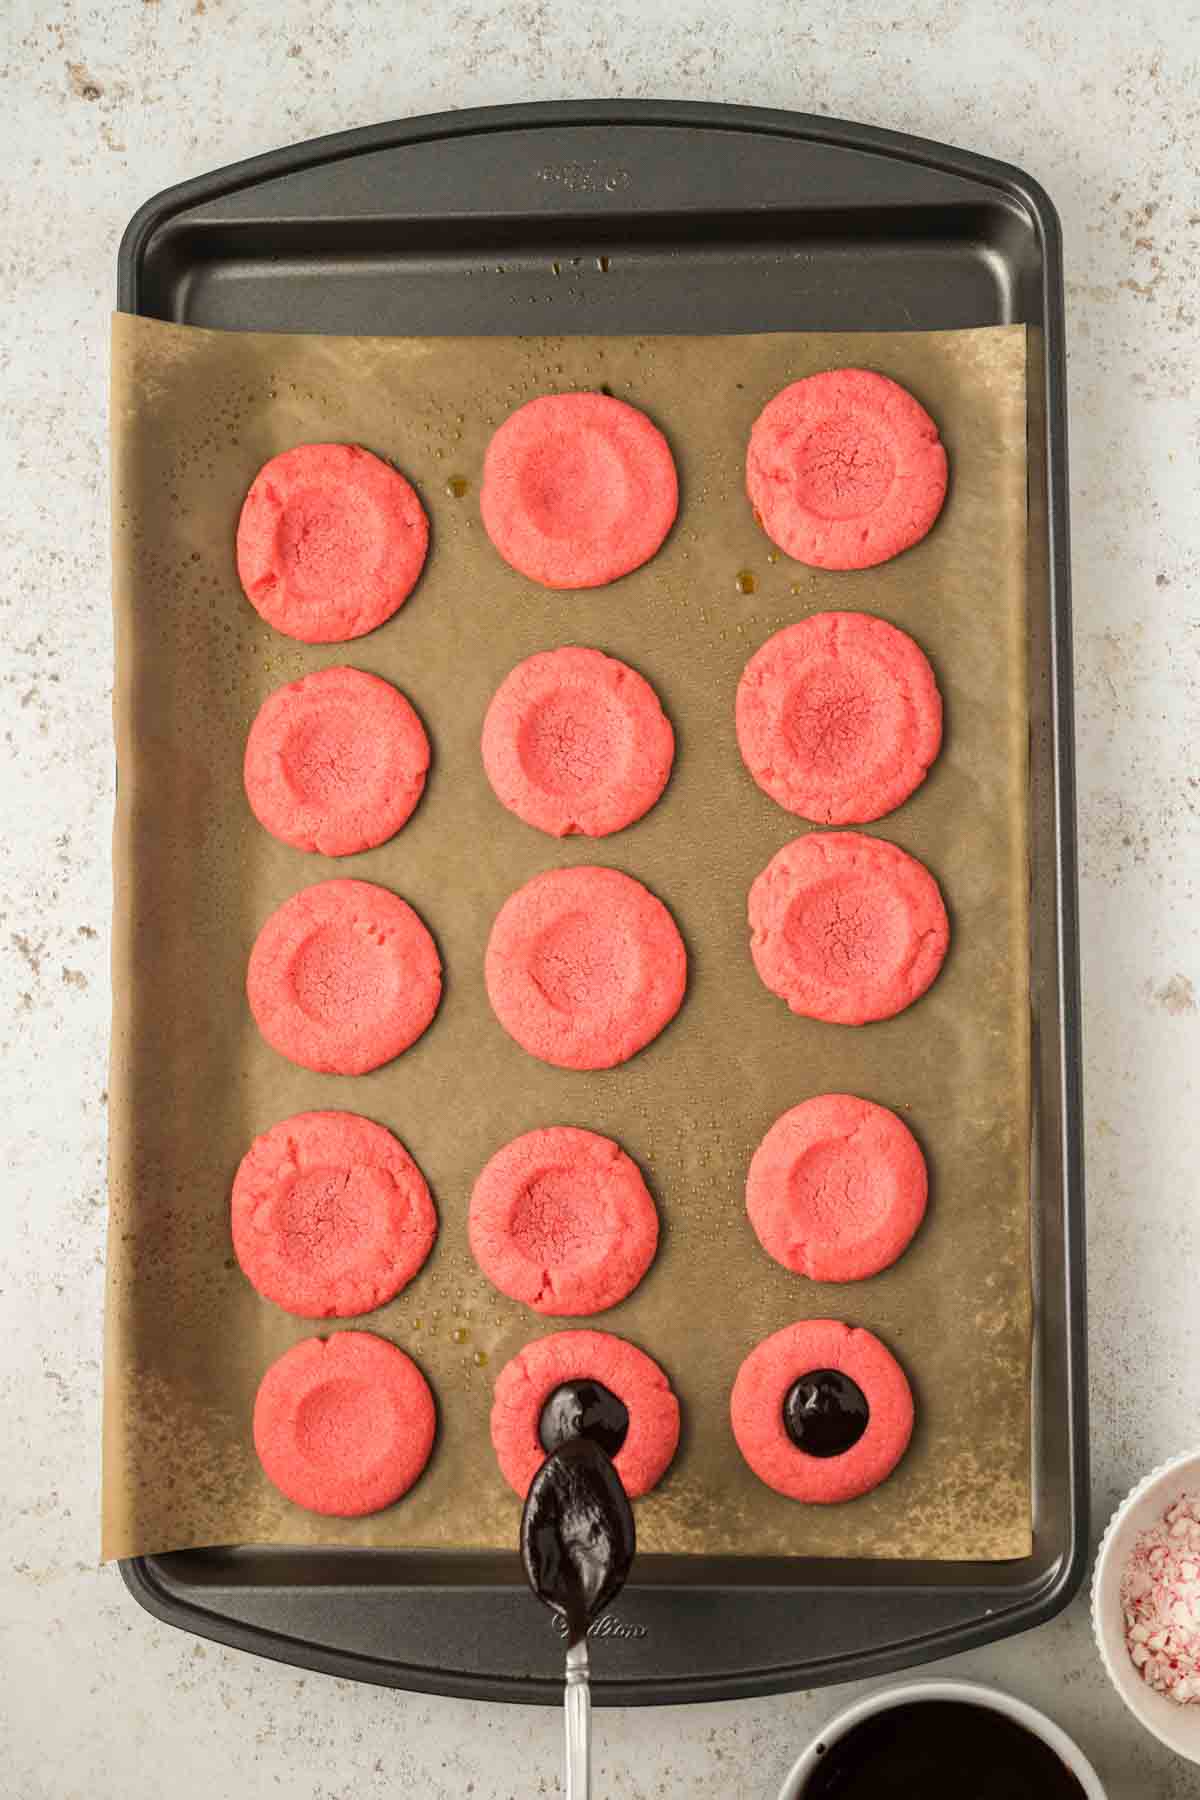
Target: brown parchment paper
195 413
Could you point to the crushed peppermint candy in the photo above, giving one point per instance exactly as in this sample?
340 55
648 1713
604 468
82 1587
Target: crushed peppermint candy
1160 1595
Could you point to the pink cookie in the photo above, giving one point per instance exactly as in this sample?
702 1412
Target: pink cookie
839 717
343 977
335 762
576 741
584 967
330 542
837 1188
526 1383
343 1425
756 1411
331 1216
845 469
578 489
847 928
562 1220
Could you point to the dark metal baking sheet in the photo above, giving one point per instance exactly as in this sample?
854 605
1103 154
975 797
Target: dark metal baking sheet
726 219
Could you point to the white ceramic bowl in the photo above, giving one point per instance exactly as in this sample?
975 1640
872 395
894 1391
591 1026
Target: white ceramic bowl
1177 1726
972 1693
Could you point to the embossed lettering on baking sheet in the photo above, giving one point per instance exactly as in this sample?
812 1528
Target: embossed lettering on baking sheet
607 1626
585 177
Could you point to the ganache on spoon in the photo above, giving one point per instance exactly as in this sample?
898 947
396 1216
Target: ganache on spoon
585 1409
577 1534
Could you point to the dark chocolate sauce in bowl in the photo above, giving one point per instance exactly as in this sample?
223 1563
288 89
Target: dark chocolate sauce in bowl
941 1750
825 1413
583 1409
577 1534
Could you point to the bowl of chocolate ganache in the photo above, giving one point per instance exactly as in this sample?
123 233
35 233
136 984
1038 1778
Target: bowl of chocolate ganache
942 1740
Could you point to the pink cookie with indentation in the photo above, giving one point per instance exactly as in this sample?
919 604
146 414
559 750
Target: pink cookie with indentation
584 967
839 717
756 1411
575 741
845 469
847 928
578 490
335 762
331 1216
837 1188
330 542
562 1220
527 1382
344 1425
343 977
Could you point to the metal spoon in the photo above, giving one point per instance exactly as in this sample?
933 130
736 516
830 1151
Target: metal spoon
577 1719
577 1544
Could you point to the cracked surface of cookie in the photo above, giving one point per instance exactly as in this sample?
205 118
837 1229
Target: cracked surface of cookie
562 1220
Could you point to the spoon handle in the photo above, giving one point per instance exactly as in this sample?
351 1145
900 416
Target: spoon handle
577 1706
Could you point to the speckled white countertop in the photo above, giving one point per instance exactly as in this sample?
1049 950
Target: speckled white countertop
104 104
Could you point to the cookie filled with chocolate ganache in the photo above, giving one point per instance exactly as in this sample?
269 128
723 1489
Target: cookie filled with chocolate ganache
588 1382
821 1411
